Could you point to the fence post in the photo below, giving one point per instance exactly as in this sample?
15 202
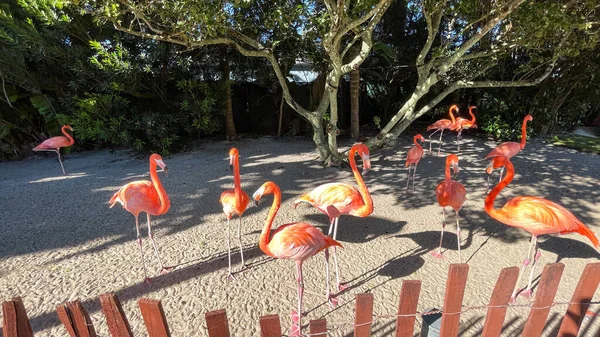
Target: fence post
16 323
318 328
543 299
270 326
115 317
409 299
75 319
588 283
154 318
500 296
364 315
455 291
216 323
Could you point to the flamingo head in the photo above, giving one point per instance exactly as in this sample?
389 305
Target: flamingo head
159 161
363 152
499 161
472 107
233 155
454 107
267 188
490 168
453 160
69 127
419 137
528 118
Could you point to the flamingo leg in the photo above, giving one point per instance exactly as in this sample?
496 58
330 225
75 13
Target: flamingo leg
434 132
513 297
414 176
139 241
163 269
408 179
230 275
330 298
501 173
297 315
438 254
440 148
536 257
239 237
60 161
330 233
458 139
458 237
340 286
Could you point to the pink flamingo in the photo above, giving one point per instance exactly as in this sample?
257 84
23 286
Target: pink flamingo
145 196
234 202
335 199
55 143
508 149
463 124
535 215
413 157
450 193
441 125
295 241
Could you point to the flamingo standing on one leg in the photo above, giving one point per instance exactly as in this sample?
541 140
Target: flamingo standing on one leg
535 215
335 199
450 193
441 125
296 241
413 157
234 202
508 149
145 196
463 124
55 143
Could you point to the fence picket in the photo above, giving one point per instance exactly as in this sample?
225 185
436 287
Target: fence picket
216 323
409 299
75 319
270 326
455 290
318 328
364 315
543 299
9 314
500 296
584 292
115 317
23 324
154 318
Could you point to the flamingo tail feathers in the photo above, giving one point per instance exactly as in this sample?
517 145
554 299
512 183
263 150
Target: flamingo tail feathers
305 198
113 201
583 230
331 242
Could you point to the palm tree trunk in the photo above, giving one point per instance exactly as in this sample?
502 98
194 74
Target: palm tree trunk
229 124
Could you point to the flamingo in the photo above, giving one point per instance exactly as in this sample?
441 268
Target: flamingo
462 123
441 125
234 202
145 196
55 143
295 241
413 157
450 193
508 149
535 215
335 199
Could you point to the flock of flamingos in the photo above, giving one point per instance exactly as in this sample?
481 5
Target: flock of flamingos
299 241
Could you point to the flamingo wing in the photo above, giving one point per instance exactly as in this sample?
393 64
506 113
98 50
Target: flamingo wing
451 193
53 143
507 149
414 155
298 241
137 196
228 201
339 196
441 124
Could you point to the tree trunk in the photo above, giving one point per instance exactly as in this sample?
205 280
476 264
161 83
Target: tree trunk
319 137
354 106
229 124
332 129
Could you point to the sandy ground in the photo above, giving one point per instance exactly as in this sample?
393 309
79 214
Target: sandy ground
60 240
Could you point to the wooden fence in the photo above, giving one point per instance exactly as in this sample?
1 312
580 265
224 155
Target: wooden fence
78 324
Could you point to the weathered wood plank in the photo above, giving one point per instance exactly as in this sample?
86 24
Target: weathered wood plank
584 292
455 291
364 315
154 318
543 300
216 323
409 299
270 326
500 297
318 328
115 317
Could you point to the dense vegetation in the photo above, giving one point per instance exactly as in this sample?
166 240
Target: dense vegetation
144 75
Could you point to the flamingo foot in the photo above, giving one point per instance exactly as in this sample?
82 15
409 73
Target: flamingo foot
230 277
526 293
513 300
167 270
341 287
295 331
147 281
437 255
295 318
333 301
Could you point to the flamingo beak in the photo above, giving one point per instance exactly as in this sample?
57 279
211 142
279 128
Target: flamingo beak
456 171
166 169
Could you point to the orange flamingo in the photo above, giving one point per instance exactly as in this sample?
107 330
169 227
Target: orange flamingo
335 199
145 196
535 215
463 124
413 157
55 143
234 202
441 125
295 241
450 193
508 149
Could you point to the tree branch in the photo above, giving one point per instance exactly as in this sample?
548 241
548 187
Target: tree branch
433 25
4 90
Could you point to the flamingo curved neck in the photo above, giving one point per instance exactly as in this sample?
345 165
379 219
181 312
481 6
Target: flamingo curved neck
415 140
367 207
498 214
162 194
452 116
265 239
237 181
448 176
69 137
473 119
523 134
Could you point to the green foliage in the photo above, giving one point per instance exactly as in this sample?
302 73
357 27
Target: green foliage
585 144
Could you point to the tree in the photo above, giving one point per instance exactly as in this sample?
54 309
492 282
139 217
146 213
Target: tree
323 31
